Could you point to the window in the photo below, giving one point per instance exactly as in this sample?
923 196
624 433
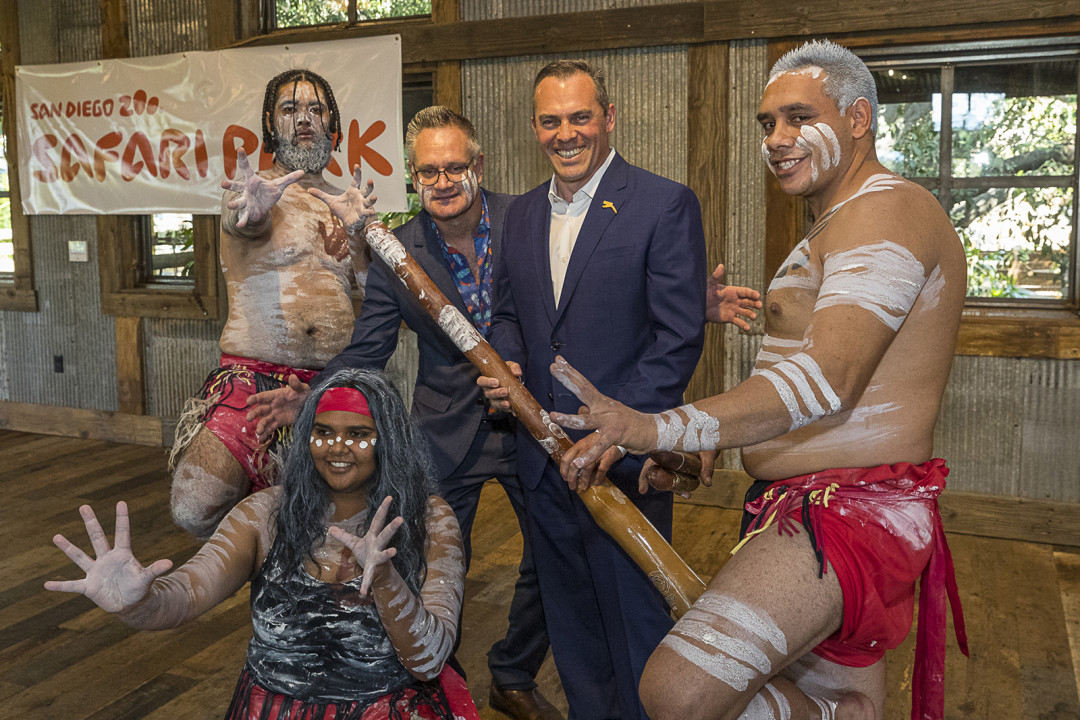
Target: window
295 13
168 249
991 129
7 248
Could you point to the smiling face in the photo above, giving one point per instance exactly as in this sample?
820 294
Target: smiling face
801 123
343 449
572 129
446 148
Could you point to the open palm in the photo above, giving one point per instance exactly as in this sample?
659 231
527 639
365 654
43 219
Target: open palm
114 580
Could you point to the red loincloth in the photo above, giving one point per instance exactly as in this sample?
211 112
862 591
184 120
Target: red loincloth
880 530
250 699
227 390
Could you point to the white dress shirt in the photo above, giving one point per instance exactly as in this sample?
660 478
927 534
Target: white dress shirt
566 219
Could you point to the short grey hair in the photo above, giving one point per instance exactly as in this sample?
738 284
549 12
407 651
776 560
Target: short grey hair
440 116
846 76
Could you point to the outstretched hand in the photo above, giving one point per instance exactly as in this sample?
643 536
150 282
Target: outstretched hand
729 303
115 580
277 408
615 424
255 194
371 550
355 207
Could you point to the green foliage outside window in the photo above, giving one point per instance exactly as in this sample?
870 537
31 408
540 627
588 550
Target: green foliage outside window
292 13
1018 240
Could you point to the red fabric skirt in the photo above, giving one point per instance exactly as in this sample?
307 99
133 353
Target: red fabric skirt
230 387
880 531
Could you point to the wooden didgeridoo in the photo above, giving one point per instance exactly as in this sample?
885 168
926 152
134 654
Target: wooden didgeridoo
610 508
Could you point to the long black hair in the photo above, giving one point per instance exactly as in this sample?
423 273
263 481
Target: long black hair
270 102
403 470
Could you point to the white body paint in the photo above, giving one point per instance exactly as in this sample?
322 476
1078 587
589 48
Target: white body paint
669 430
702 430
884 278
799 382
461 331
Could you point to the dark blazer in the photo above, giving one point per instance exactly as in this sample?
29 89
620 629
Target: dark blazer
632 314
446 401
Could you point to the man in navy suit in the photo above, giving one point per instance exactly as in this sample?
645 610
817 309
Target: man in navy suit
457 240
604 265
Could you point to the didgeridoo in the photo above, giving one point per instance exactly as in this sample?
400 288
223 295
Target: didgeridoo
609 507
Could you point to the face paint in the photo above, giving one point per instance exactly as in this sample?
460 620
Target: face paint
883 278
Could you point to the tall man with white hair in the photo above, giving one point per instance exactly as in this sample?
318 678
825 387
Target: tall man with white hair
836 422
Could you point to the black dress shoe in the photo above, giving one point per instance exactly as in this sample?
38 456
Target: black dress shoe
522 704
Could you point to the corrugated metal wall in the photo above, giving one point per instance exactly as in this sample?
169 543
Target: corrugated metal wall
647 86
494 9
745 222
69 323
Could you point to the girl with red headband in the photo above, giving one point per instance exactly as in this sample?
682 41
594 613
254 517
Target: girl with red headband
354 616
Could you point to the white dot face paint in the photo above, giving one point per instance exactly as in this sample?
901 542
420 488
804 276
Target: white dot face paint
348 443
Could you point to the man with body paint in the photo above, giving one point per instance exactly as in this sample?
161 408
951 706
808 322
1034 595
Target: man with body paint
836 422
287 264
457 238
605 263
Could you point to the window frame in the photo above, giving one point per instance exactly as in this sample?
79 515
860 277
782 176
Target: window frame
18 293
948 58
270 15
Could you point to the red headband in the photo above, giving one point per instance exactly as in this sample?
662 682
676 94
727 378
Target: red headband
346 399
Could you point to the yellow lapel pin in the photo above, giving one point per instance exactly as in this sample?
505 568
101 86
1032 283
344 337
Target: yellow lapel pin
609 204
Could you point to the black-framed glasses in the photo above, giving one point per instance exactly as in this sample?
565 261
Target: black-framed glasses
454 173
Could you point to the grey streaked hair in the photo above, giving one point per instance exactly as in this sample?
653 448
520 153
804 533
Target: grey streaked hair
403 470
846 76
440 116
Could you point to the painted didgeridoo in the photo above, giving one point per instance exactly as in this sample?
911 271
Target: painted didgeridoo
610 508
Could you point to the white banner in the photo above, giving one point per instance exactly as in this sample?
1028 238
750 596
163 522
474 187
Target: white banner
159 134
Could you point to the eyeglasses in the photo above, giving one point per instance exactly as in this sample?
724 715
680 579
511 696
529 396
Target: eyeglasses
454 173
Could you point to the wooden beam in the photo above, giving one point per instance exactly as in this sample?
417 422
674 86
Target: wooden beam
733 19
115 29
130 376
82 423
423 40
995 516
1019 333
707 143
447 72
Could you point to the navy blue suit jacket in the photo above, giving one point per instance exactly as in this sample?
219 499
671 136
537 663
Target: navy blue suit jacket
447 403
632 313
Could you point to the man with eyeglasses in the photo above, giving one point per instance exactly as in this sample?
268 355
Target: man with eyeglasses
457 239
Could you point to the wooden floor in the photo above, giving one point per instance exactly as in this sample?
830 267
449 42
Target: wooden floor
60 657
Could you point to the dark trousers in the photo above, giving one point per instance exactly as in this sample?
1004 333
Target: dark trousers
514 660
604 616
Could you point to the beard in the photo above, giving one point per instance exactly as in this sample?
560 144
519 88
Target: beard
312 159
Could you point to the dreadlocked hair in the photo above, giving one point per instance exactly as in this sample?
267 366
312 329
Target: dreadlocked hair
270 100
403 470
